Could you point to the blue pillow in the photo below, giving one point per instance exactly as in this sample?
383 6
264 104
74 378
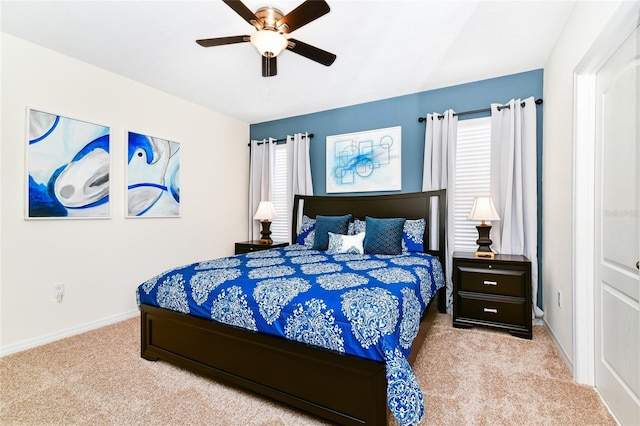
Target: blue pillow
413 235
358 226
306 235
326 224
383 236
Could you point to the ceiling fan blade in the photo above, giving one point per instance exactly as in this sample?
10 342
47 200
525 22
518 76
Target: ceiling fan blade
308 11
219 41
244 12
269 66
311 52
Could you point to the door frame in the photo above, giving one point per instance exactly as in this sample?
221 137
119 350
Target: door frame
623 22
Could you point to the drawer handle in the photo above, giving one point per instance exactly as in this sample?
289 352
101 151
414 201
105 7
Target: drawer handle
490 282
491 310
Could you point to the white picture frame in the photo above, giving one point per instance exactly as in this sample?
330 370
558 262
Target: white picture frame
68 165
368 161
153 177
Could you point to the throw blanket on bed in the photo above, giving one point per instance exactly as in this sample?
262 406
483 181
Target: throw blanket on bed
360 304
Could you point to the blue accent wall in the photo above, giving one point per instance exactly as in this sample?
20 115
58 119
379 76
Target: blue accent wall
404 111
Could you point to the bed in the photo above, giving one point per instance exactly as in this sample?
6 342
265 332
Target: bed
333 383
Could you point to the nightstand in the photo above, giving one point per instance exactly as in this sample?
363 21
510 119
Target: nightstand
492 292
249 246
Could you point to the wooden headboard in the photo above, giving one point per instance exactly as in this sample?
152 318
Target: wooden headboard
414 205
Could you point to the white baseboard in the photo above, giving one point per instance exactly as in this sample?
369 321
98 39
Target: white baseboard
52 337
559 348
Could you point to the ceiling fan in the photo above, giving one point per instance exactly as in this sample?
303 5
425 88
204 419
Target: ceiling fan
271 25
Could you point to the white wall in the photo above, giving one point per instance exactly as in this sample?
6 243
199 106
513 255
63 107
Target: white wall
101 262
585 23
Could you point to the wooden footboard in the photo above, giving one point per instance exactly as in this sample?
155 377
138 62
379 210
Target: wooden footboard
340 388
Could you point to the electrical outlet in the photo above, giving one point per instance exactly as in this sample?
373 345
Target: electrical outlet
559 299
58 292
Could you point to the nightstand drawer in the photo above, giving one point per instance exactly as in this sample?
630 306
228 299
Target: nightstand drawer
503 310
495 281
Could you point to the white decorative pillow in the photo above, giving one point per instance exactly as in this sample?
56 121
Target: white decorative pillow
339 243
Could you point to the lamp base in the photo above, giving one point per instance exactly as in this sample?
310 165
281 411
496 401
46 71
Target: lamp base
484 242
266 232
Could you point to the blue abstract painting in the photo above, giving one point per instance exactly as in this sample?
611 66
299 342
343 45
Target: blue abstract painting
365 161
68 166
153 176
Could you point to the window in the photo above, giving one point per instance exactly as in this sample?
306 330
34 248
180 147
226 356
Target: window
473 175
280 226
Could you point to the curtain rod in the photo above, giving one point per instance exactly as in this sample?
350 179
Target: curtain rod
285 139
476 111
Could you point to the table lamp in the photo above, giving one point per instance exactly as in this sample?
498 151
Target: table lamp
483 209
264 214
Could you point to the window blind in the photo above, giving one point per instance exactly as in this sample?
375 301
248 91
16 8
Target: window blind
279 225
473 175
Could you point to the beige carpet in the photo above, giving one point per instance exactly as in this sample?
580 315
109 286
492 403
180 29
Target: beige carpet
475 377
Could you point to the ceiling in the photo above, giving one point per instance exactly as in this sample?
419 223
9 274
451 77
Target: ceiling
384 48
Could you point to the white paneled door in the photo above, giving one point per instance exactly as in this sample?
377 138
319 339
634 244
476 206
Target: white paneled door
617 233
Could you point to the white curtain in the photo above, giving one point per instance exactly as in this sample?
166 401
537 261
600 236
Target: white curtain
439 173
260 179
513 184
298 172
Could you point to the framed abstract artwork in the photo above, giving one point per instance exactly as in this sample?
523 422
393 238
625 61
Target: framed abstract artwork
67 164
365 161
153 177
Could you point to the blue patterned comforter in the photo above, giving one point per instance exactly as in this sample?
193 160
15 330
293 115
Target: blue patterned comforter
360 304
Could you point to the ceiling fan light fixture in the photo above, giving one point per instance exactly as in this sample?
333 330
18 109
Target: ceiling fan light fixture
269 43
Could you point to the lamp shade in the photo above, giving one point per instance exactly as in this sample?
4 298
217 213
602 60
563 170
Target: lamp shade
483 209
269 43
265 211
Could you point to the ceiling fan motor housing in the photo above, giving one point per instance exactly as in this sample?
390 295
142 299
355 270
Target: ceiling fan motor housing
268 16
